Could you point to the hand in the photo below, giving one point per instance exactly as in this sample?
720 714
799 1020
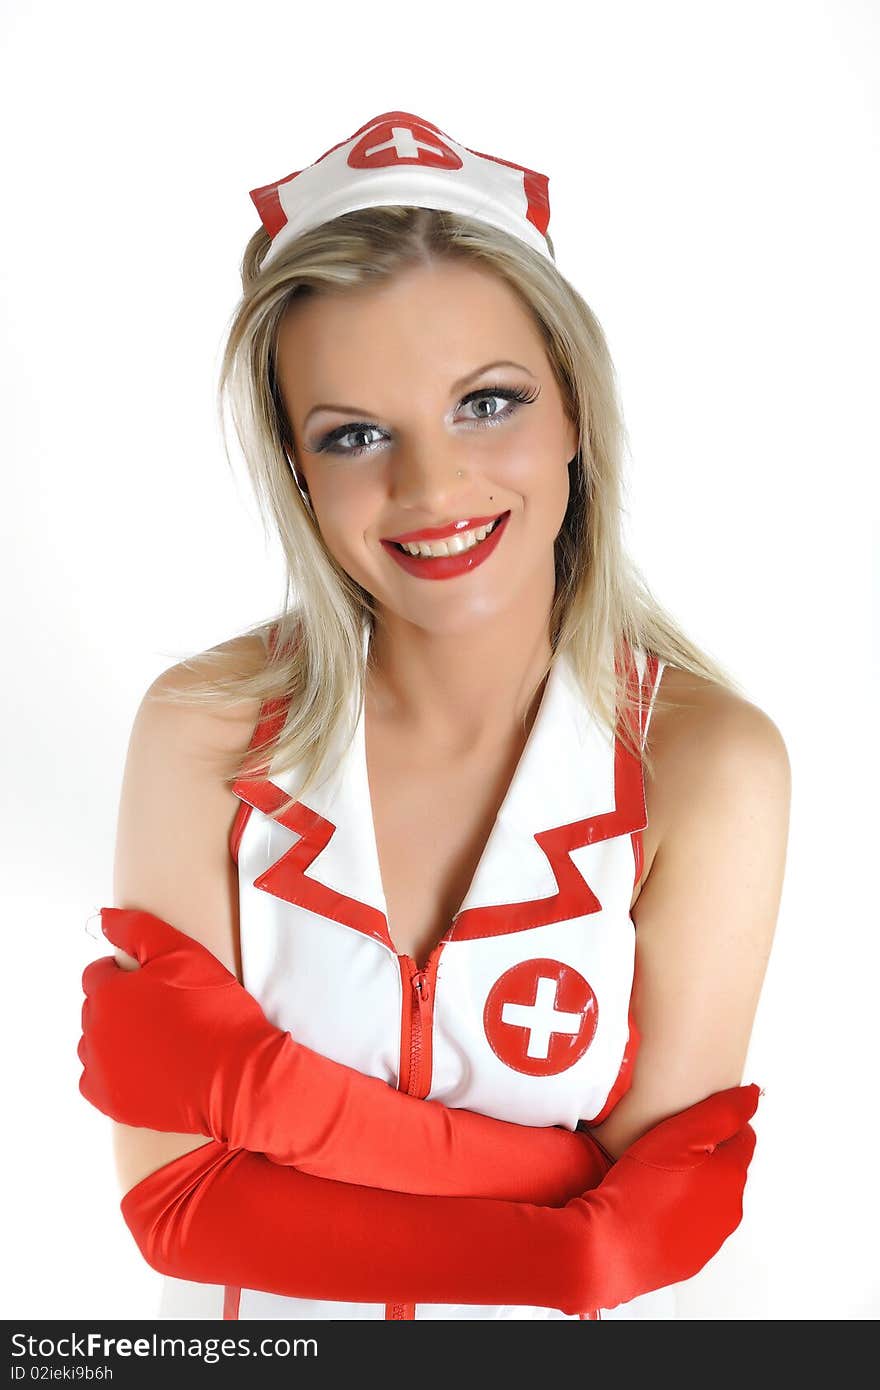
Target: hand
670 1201
181 1012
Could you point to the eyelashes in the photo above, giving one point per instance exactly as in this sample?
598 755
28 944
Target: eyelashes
515 397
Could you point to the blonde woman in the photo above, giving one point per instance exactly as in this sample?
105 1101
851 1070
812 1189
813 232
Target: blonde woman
444 898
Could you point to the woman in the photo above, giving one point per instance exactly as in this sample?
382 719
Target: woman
460 872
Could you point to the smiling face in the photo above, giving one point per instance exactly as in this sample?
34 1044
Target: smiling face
387 407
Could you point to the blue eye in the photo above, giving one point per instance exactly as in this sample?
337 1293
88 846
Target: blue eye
515 397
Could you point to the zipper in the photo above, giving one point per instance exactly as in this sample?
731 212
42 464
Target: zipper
422 986
418 1010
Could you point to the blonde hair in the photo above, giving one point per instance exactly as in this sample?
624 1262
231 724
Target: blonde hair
317 661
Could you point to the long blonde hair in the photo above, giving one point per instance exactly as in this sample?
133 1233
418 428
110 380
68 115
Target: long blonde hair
316 662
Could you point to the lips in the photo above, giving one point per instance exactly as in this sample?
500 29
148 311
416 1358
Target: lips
439 533
448 566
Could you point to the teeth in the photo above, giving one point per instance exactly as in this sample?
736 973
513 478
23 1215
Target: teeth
453 545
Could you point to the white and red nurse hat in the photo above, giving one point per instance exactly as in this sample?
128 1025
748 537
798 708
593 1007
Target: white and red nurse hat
399 158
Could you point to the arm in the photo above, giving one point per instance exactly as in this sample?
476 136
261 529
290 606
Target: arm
706 915
179 1044
172 858
229 1216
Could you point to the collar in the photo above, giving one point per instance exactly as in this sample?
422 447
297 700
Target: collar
570 788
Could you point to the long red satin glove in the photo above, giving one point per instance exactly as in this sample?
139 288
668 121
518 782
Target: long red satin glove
179 1045
224 1216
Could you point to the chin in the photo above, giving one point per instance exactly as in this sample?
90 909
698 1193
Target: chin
454 619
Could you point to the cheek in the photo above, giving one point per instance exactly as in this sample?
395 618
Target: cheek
344 512
534 473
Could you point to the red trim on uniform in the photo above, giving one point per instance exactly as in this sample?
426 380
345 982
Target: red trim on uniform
286 878
231 1301
574 898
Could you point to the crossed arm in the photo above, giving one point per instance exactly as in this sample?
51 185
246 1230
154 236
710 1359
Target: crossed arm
703 943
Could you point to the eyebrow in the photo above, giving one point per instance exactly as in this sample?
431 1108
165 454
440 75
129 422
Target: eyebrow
456 386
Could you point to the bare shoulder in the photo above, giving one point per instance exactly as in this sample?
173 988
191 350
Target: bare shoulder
722 795
709 744
176 810
212 728
703 709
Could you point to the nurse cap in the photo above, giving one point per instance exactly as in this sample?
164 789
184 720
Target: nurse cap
399 158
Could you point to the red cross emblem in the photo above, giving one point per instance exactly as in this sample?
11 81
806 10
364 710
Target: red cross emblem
402 141
540 1017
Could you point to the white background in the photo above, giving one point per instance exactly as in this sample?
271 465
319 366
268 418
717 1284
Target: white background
713 173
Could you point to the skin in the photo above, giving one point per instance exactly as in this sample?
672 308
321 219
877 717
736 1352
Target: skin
455 661
456 658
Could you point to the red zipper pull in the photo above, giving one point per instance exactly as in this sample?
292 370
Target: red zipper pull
420 984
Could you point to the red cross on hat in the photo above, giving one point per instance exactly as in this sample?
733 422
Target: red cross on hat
401 159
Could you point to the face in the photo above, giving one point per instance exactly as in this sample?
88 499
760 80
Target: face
390 397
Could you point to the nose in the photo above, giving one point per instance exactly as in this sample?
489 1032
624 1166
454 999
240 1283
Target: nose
432 480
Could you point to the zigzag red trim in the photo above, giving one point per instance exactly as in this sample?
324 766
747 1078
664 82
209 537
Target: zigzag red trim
286 878
574 898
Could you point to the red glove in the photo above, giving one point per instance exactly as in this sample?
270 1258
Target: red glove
179 1045
222 1216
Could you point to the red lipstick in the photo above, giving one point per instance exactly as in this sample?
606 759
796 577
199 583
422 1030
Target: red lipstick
448 566
449 528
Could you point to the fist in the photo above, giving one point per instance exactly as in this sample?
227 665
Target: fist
161 1043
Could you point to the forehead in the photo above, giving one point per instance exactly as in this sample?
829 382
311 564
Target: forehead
445 318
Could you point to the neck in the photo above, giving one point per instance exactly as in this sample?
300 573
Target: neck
459 692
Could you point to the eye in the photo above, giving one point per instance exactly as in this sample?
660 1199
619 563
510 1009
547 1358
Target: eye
330 443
